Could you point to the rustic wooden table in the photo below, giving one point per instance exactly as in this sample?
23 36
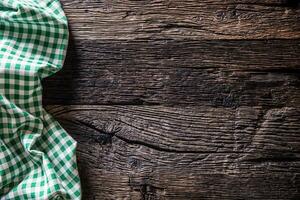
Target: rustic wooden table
182 99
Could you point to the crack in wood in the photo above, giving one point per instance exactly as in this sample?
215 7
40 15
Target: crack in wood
105 137
204 98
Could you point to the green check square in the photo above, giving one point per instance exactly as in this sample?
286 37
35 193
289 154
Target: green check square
37 156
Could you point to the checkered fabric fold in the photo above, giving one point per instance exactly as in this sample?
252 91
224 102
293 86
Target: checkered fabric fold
37 156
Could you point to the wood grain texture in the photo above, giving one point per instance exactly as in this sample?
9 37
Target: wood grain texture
157 152
214 73
208 19
182 99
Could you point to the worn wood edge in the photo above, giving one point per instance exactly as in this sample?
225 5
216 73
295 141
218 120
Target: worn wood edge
188 129
242 55
188 19
214 73
156 182
102 184
130 166
142 86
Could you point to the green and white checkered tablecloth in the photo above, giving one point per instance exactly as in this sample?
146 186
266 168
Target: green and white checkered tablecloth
37 156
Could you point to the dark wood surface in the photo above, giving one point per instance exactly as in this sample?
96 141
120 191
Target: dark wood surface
182 99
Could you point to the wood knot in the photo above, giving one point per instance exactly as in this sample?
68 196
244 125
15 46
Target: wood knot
146 189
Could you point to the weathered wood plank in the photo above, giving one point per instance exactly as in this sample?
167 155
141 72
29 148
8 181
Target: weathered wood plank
171 183
188 53
156 152
208 19
235 134
217 73
194 129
